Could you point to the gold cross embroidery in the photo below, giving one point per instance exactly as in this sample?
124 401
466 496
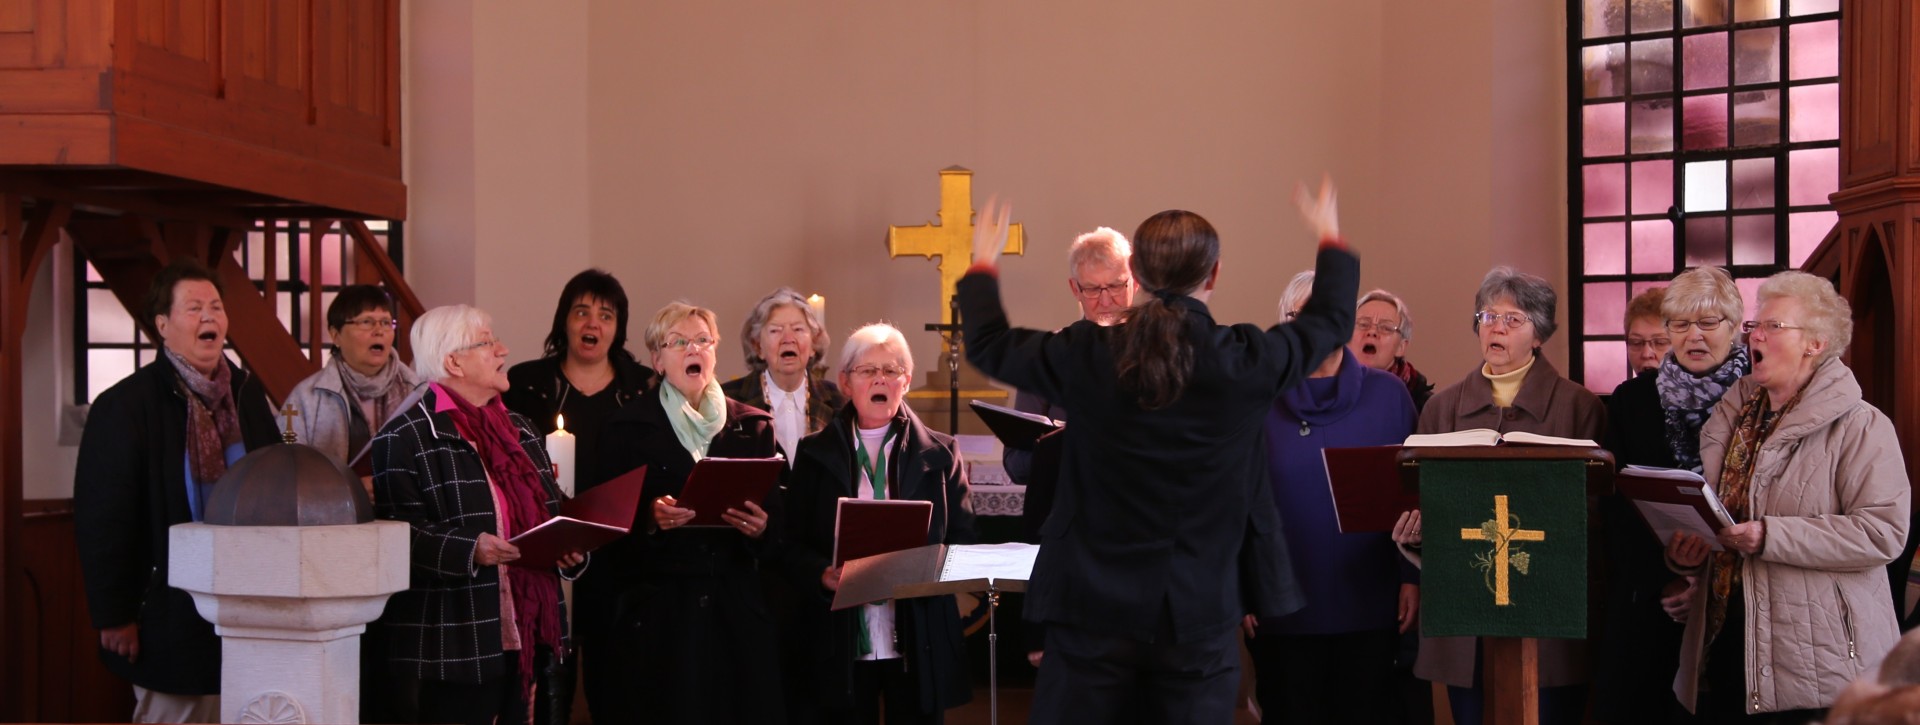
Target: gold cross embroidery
1500 532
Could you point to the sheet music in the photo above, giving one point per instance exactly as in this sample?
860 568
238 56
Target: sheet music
1010 562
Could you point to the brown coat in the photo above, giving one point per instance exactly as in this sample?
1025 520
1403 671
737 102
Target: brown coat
1832 487
1547 404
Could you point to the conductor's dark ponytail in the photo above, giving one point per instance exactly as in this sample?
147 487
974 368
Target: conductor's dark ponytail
1174 252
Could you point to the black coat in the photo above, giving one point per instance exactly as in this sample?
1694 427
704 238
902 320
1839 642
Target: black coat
924 465
534 388
446 625
823 397
687 607
1155 507
129 487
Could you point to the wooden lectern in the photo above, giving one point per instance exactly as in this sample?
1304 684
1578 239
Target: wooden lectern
1504 555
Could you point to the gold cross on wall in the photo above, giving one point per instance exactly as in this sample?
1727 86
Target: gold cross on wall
1503 534
952 239
286 436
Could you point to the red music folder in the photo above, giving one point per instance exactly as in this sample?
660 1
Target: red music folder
1368 491
864 527
718 484
595 518
1672 500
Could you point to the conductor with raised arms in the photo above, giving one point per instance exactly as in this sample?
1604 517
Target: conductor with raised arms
1164 532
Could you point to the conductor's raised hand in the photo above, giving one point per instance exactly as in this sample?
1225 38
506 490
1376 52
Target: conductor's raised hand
752 522
1686 550
1406 531
990 229
490 550
1320 212
668 516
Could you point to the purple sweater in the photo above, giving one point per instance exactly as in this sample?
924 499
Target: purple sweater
1352 581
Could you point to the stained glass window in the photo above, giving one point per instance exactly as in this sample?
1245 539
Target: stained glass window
1705 132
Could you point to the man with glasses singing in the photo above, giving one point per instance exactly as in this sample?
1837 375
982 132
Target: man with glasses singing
1382 330
1098 278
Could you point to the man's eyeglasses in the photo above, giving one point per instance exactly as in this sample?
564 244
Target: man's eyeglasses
1513 320
1368 324
699 343
1771 326
1116 290
867 372
1706 324
367 324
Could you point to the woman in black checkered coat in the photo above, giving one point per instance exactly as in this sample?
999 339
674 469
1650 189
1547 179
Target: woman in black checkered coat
468 475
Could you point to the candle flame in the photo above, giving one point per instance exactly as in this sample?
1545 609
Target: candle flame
560 422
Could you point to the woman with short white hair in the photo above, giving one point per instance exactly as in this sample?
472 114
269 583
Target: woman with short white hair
1797 603
468 475
908 652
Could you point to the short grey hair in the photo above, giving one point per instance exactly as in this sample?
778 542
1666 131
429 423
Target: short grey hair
1529 293
443 331
878 334
1399 307
1104 245
757 322
1295 295
1828 317
1704 290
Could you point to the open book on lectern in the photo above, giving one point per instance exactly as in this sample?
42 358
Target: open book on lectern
935 569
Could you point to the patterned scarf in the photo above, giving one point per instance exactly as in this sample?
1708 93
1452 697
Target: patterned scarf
1736 473
1404 371
213 423
695 426
536 591
371 399
1688 399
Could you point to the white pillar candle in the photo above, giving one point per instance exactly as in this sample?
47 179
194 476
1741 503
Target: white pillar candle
560 450
819 305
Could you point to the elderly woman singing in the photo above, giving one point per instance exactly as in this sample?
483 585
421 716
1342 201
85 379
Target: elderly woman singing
468 475
1796 604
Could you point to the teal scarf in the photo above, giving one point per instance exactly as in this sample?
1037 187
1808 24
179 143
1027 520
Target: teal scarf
695 426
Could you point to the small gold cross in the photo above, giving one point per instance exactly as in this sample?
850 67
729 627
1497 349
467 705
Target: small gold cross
287 436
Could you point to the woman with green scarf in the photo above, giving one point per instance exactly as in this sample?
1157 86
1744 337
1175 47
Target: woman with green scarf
691 632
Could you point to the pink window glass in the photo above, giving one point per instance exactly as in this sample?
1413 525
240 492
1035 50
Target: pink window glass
1815 112
1652 247
1652 126
1749 293
1814 7
1753 239
1604 247
1652 187
1606 305
1756 56
1606 189
1706 61
1604 17
1756 117
1603 69
1749 10
1650 15
1652 66
1752 183
1805 231
1813 50
1703 122
1812 174
1606 364
1706 241
1604 128
1701 13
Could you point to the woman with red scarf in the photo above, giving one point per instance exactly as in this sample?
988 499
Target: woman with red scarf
468 476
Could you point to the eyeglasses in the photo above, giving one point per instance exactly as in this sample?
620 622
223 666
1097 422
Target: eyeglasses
699 343
1644 343
1513 320
1115 290
1771 326
867 372
1706 324
1368 324
490 343
367 324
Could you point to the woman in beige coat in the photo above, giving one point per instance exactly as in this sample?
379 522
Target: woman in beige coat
1797 605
